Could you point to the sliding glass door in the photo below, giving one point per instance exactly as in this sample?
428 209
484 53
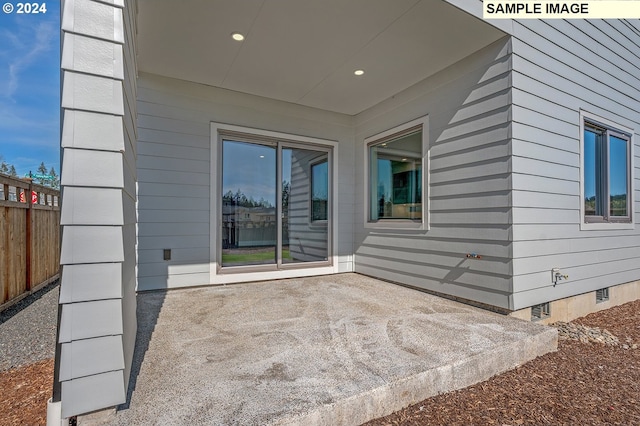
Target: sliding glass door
275 204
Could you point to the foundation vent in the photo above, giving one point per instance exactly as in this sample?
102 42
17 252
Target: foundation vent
602 295
540 311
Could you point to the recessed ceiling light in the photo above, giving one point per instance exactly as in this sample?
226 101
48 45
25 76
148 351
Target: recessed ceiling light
262 156
237 36
358 72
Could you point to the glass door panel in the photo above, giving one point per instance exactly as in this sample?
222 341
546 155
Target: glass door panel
249 209
305 205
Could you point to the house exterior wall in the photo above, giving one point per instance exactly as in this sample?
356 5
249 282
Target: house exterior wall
561 67
468 108
97 297
174 173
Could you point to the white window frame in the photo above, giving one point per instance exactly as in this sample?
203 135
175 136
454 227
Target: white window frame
370 141
216 274
615 128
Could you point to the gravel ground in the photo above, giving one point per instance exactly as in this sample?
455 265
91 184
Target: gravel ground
28 329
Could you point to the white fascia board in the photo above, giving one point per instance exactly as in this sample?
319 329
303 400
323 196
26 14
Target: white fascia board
92 93
88 357
91 168
92 56
89 130
86 320
93 393
91 244
95 281
92 206
94 19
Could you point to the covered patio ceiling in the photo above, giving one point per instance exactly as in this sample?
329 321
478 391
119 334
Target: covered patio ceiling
306 51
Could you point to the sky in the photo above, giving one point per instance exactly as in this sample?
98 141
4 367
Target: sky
30 87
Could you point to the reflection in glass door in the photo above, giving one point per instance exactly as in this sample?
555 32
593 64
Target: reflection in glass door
249 223
275 204
305 204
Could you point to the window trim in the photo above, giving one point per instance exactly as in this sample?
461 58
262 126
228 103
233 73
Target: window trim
421 124
312 221
609 128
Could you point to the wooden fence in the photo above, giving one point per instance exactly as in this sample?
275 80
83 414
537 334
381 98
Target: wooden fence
29 238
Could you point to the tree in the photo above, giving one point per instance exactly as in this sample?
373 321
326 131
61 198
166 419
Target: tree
12 171
4 168
55 180
42 171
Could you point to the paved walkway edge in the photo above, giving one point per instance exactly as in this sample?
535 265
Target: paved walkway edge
392 397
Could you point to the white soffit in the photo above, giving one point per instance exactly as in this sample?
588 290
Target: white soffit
305 51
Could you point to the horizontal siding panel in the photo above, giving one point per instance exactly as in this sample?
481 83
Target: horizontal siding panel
626 45
562 61
471 233
601 240
164 176
478 185
523 182
167 189
471 171
459 276
545 215
470 156
500 199
577 273
173 216
172 203
472 216
487 121
162 242
172 281
566 88
419 281
542 294
174 125
537 103
560 154
593 62
173 229
471 141
173 138
180 255
486 248
172 151
543 121
545 200
171 268
146 161
437 259
531 265
545 169
553 231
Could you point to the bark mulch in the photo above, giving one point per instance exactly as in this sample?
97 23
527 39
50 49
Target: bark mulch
24 395
581 383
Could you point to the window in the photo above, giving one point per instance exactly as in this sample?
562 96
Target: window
606 162
396 179
320 191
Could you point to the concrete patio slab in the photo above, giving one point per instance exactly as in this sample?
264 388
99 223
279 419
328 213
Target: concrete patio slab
330 350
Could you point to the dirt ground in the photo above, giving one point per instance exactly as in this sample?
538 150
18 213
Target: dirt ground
581 383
